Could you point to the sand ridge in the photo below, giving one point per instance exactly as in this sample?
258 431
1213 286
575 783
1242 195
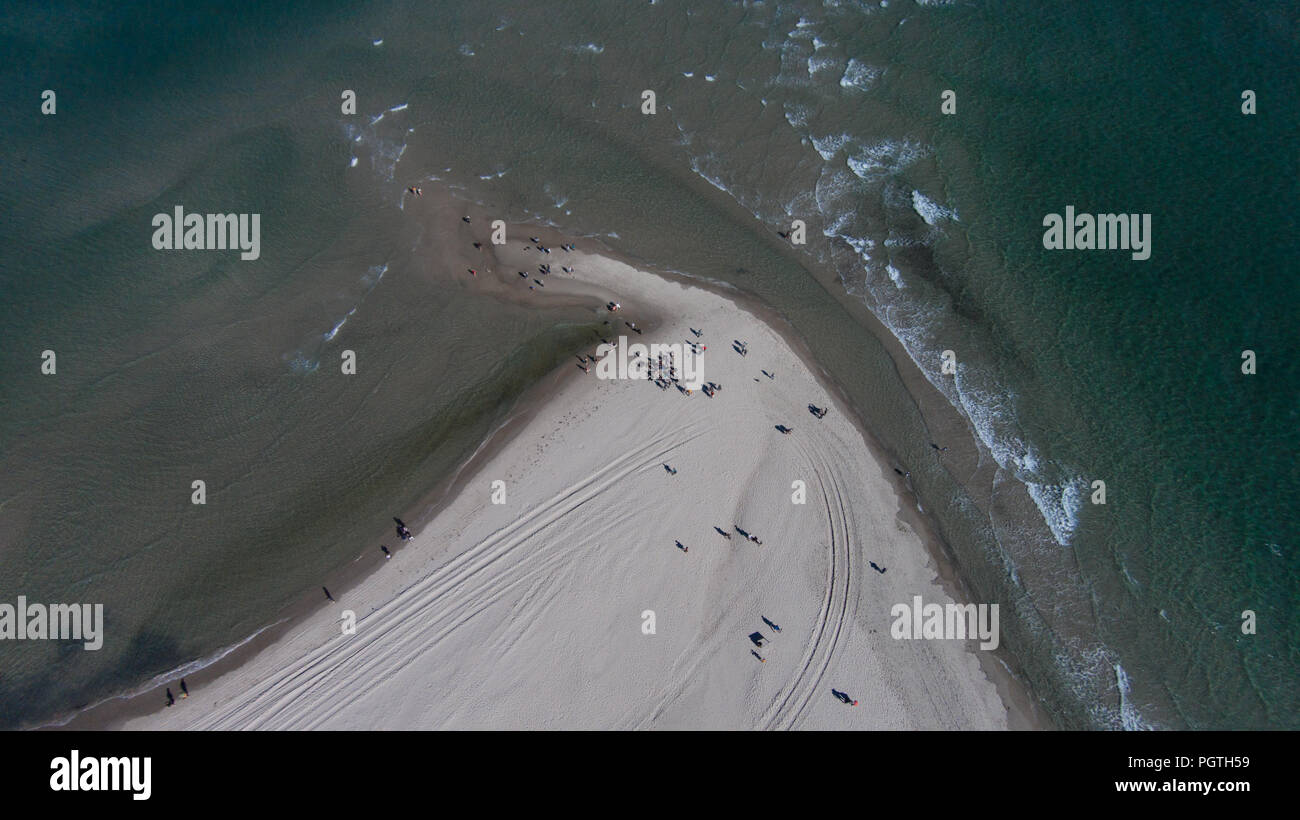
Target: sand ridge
529 614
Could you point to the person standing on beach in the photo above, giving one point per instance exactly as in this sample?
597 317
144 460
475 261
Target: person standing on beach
170 697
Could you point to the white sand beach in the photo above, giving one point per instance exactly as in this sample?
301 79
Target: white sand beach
530 613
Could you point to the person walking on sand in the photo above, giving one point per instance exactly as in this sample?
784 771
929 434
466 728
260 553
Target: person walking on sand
844 698
682 547
387 554
170 697
185 690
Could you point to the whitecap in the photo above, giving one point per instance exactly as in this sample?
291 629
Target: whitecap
822 62
859 75
895 275
830 145
1129 717
930 210
796 115
884 158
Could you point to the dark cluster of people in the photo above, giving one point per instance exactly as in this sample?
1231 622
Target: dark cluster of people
185 693
544 269
760 640
402 531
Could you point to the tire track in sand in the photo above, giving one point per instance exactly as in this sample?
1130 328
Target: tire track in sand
452 595
788 708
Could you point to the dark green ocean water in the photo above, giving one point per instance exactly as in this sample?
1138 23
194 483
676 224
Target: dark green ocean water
1074 366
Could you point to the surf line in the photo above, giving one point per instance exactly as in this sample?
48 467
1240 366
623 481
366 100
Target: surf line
1085 232
208 232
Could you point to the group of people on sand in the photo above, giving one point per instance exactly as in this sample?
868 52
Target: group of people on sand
402 531
710 389
543 269
185 693
662 372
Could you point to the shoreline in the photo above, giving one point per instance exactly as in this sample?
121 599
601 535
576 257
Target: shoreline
1023 711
